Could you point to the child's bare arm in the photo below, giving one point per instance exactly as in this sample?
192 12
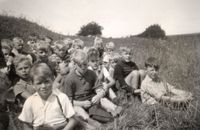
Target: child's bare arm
106 86
71 124
84 104
100 94
111 81
27 126
179 95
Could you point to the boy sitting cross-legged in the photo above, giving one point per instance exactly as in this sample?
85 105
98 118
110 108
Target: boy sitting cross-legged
79 85
155 90
127 73
46 109
104 92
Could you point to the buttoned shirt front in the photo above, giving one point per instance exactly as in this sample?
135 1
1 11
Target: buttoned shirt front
151 89
38 113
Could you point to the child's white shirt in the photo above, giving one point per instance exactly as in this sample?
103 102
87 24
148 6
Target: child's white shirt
157 89
36 112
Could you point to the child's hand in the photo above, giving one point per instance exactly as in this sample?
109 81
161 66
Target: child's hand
186 98
189 97
86 104
95 99
98 96
105 86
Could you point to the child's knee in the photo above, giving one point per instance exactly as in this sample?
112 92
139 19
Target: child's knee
80 111
142 73
135 73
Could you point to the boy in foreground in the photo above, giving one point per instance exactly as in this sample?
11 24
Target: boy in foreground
46 109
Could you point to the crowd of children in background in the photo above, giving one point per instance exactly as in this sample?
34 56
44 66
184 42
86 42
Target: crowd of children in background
56 82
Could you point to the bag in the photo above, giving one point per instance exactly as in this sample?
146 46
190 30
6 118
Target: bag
98 113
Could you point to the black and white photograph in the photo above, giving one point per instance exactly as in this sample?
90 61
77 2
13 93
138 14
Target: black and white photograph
99 64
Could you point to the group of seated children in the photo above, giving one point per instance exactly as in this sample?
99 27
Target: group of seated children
57 82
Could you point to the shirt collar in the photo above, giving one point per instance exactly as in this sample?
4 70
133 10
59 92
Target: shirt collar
24 82
148 79
52 94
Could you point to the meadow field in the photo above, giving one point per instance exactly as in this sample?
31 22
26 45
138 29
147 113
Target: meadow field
179 57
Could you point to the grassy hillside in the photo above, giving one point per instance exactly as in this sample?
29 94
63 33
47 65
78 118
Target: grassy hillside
12 26
179 57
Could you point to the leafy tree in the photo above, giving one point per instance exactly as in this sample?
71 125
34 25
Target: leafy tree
153 31
91 28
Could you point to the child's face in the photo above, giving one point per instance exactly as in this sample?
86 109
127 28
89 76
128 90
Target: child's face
152 72
60 52
18 45
6 53
93 62
32 44
99 45
48 40
23 69
43 54
82 67
113 63
43 85
126 56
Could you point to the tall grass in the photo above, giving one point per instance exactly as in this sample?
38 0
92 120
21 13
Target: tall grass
179 57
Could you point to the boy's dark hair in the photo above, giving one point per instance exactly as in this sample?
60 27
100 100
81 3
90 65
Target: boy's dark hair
39 68
152 62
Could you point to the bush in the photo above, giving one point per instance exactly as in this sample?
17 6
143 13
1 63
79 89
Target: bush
153 31
91 28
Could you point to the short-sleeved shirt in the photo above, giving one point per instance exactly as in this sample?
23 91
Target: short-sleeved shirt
22 86
36 112
150 87
80 87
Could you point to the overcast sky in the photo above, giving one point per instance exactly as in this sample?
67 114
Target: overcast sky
118 17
